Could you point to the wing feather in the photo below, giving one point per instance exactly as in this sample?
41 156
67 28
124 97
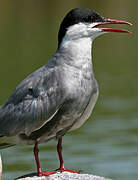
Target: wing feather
33 102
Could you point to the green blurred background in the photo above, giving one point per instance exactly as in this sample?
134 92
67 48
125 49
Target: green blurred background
107 144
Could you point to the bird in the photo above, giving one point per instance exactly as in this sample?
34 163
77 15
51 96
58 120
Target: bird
60 96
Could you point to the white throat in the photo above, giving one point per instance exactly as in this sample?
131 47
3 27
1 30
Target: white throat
77 52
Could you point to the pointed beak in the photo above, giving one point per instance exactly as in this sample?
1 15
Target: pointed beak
112 21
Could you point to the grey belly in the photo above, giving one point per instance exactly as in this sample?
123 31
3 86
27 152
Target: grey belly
65 120
87 112
70 116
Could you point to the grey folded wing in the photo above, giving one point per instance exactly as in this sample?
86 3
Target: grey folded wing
35 100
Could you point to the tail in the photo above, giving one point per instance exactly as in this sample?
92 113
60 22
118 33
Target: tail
5 141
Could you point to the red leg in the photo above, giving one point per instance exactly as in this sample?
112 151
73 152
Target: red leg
59 150
36 151
39 171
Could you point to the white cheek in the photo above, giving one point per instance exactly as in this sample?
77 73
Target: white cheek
77 31
81 30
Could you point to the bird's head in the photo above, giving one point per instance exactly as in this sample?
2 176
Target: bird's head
83 22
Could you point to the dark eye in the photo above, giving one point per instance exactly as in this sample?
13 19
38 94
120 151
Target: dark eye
33 92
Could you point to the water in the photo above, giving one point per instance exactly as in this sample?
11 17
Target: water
107 144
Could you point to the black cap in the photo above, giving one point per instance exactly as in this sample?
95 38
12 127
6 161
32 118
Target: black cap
76 16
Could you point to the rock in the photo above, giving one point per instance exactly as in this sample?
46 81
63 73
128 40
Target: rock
62 176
